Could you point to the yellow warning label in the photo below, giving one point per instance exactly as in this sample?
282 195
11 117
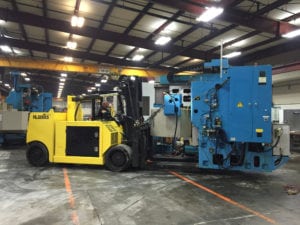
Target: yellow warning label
240 105
259 130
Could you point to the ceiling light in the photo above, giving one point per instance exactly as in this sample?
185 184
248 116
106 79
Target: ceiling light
137 57
17 51
77 21
71 44
132 78
232 54
151 81
292 34
61 84
237 44
68 59
62 79
27 79
89 90
210 13
2 22
6 48
63 75
169 28
141 50
6 85
103 81
97 84
23 74
93 88
162 40
295 21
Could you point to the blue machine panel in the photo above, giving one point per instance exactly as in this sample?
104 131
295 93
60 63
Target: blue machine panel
172 104
232 112
250 104
239 101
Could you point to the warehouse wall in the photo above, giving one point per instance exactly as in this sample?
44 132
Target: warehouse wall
286 92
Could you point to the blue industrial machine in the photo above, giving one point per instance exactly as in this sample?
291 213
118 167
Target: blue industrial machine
22 99
229 112
26 97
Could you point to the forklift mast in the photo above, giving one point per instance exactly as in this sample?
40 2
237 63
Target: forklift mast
135 131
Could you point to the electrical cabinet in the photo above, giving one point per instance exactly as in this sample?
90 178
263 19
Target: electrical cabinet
250 100
239 102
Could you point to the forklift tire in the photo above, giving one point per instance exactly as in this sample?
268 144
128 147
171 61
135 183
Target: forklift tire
118 158
37 154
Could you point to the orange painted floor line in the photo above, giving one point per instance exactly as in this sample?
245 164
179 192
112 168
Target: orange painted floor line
74 215
226 199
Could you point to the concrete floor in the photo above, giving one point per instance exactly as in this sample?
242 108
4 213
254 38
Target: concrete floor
88 195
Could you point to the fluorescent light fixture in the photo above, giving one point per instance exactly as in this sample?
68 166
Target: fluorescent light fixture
62 79
232 54
6 48
132 77
23 74
169 28
209 14
61 84
137 57
238 44
151 81
89 90
141 50
295 21
71 44
292 34
27 79
2 22
63 75
77 21
17 51
103 81
68 59
97 84
162 40
6 85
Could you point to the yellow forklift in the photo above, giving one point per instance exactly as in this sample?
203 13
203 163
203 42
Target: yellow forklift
117 142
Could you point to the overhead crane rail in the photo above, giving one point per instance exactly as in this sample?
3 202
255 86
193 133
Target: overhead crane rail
52 65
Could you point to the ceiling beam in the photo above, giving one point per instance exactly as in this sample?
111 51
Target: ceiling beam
236 16
157 31
52 65
293 44
196 43
45 8
270 7
21 26
132 25
102 24
64 26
